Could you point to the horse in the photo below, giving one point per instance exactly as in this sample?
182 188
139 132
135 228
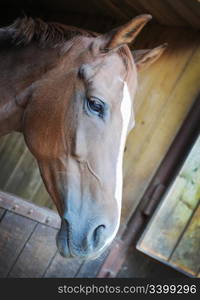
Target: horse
70 93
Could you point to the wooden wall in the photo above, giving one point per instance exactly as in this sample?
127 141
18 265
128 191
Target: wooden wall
166 92
183 13
172 235
19 173
168 12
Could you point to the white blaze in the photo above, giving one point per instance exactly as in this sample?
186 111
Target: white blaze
126 106
126 109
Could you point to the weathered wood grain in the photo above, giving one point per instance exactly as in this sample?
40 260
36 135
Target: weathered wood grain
186 254
29 210
9 158
14 233
3 140
24 170
166 12
63 268
20 173
158 122
166 229
162 12
168 236
184 12
41 197
37 254
138 265
90 269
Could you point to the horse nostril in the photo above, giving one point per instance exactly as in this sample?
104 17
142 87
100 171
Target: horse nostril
97 234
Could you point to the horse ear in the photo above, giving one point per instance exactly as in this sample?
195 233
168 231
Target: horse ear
144 58
124 34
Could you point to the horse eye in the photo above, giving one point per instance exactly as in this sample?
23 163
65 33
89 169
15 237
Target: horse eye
96 106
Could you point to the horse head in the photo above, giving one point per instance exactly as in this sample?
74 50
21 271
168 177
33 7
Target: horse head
76 126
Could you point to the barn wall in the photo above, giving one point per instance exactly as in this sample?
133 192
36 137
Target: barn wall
166 92
182 13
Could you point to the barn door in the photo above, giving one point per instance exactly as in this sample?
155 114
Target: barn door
173 234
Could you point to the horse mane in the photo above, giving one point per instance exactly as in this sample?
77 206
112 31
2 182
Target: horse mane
25 30
48 34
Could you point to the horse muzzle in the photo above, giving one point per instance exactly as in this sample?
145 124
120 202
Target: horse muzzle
86 242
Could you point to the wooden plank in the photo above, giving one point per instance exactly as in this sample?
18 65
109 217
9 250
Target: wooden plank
29 210
19 171
3 141
153 92
156 122
138 265
165 229
13 150
63 268
184 12
20 174
14 232
116 9
42 198
186 254
90 269
149 37
168 123
37 254
126 8
19 180
2 211
162 11
25 177
172 216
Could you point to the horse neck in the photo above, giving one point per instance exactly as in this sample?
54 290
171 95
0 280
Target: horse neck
20 68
